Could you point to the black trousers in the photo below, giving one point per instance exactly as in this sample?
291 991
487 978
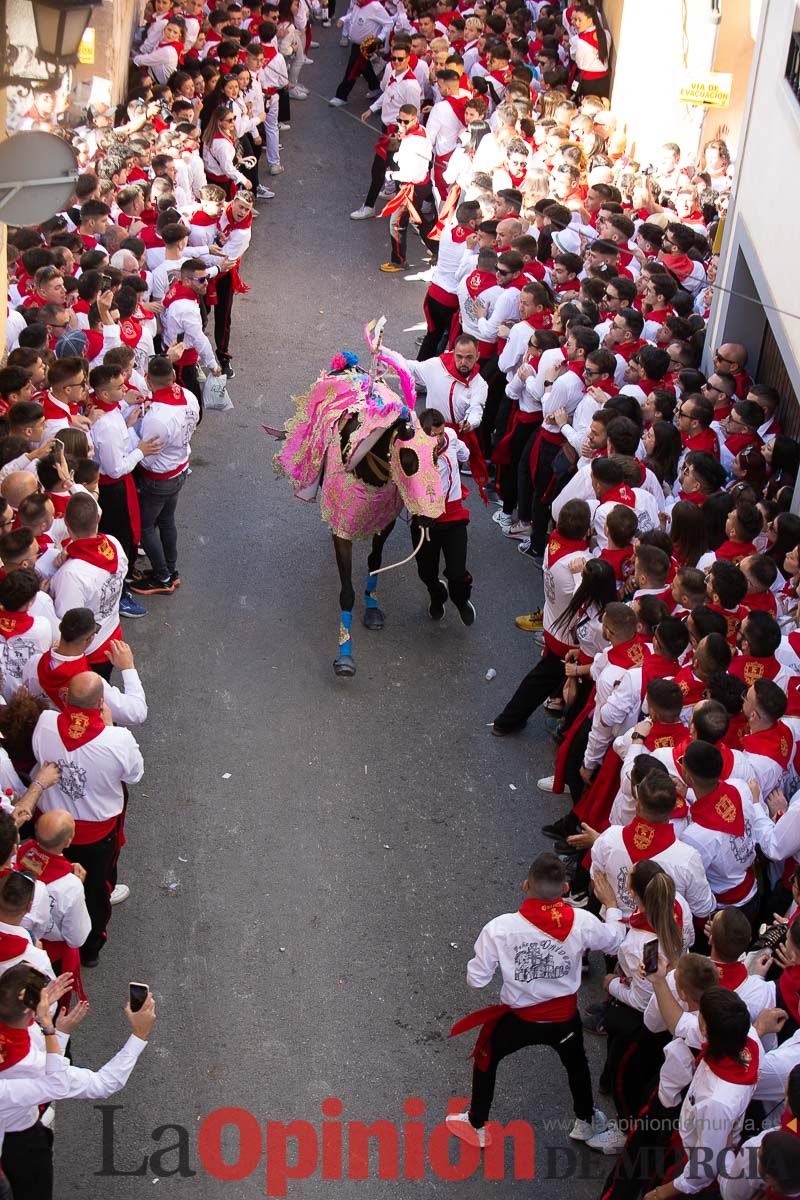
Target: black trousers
575 761
448 540
223 310
509 475
188 377
28 1162
376 177
284 106
524 481
441 317
116 518
542 487
99 860
540 682
355 68
642 1163
511 1034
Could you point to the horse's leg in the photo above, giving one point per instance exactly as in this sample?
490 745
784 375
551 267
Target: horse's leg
343 664
373 617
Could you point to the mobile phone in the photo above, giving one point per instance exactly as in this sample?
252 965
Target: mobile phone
138 994
650 956
180 337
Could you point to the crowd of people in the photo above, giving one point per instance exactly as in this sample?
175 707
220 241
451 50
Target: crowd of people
568 293
568 290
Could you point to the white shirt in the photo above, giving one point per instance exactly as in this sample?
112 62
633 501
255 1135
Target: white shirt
79 584
681 862
457 400
536 967
396 90
115 449
444 128
370 20
16 651
92 774
726 858
183 316
174 424
127 707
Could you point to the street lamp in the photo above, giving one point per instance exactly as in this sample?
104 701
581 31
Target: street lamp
60 25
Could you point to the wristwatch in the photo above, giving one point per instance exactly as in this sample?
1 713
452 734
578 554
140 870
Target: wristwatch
48 1031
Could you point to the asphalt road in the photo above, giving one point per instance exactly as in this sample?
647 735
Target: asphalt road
338 845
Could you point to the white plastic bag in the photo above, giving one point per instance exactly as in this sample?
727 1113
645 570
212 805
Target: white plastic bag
215 394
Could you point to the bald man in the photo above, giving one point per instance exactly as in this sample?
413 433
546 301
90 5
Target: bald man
732 357
17 485
507 229
18 551
97 760
43 857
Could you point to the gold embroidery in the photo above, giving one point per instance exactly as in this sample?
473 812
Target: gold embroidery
78 724
752 672
106 549
725 809
643 836
636 655
7 625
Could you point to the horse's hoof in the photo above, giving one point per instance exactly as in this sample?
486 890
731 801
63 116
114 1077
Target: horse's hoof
374 618
344 666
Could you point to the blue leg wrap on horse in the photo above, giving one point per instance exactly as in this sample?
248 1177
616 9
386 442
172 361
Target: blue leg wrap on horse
345 629
370 588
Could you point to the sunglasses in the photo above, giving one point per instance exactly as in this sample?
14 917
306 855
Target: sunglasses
401 122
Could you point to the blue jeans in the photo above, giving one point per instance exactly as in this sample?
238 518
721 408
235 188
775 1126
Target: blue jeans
158 499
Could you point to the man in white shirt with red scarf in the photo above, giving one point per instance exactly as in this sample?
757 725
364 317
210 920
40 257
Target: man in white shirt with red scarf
539 951
412 173
43 857
181 321
96 760
171 418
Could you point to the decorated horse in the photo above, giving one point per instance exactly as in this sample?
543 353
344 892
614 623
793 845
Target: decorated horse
359 446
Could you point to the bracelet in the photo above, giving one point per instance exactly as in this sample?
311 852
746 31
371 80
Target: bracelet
35 783
48 1031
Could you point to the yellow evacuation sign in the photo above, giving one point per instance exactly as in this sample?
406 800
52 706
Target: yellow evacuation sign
712 89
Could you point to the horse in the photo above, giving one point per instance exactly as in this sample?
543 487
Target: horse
359 445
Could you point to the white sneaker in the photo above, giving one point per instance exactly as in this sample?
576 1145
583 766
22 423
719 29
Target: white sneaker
312 46
611 1141
519 530
504 520
583 1130
335 102
546 784
276 169
326 24
524 545
284 125
459 1125
344 40
120 893
296 94
264 193
309 62
361 214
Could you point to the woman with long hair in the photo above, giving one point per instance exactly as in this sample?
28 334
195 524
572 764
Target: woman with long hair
688 532
220 152
577 625
589 47
749 466
783 535
782 456
662 441
716 511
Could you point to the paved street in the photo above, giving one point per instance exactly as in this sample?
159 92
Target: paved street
337 844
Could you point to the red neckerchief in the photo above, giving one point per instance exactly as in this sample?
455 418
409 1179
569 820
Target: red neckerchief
98 551
727 1069
60 501
638 920
55 409
619 559
178 291
516 180
696 498
177 47
761 602
740 441
749 668
13 624
705 440
658 666
643 840
733 619
173 395
458 105
448 361
558 546
94 343
665 735
721 810
45 866
54 680
15 1044
44 541
621 494
679 264
658 314
627 349
130 332
632 653
535 271
692 687
479 281
735 551
77 726
738 728
731 975
501 76
541 320
103 405
202 219
553 917
459 234
227 223
774 743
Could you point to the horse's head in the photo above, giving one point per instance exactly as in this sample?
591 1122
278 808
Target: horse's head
413 469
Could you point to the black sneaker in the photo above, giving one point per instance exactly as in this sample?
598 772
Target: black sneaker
175 579
436 610
467 613
563 827
151 585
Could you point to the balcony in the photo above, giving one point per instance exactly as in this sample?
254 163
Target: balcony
793 65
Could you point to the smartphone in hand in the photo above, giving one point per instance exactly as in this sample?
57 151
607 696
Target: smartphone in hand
138 994
650 956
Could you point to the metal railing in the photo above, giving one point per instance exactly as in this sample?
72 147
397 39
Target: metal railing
793 65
